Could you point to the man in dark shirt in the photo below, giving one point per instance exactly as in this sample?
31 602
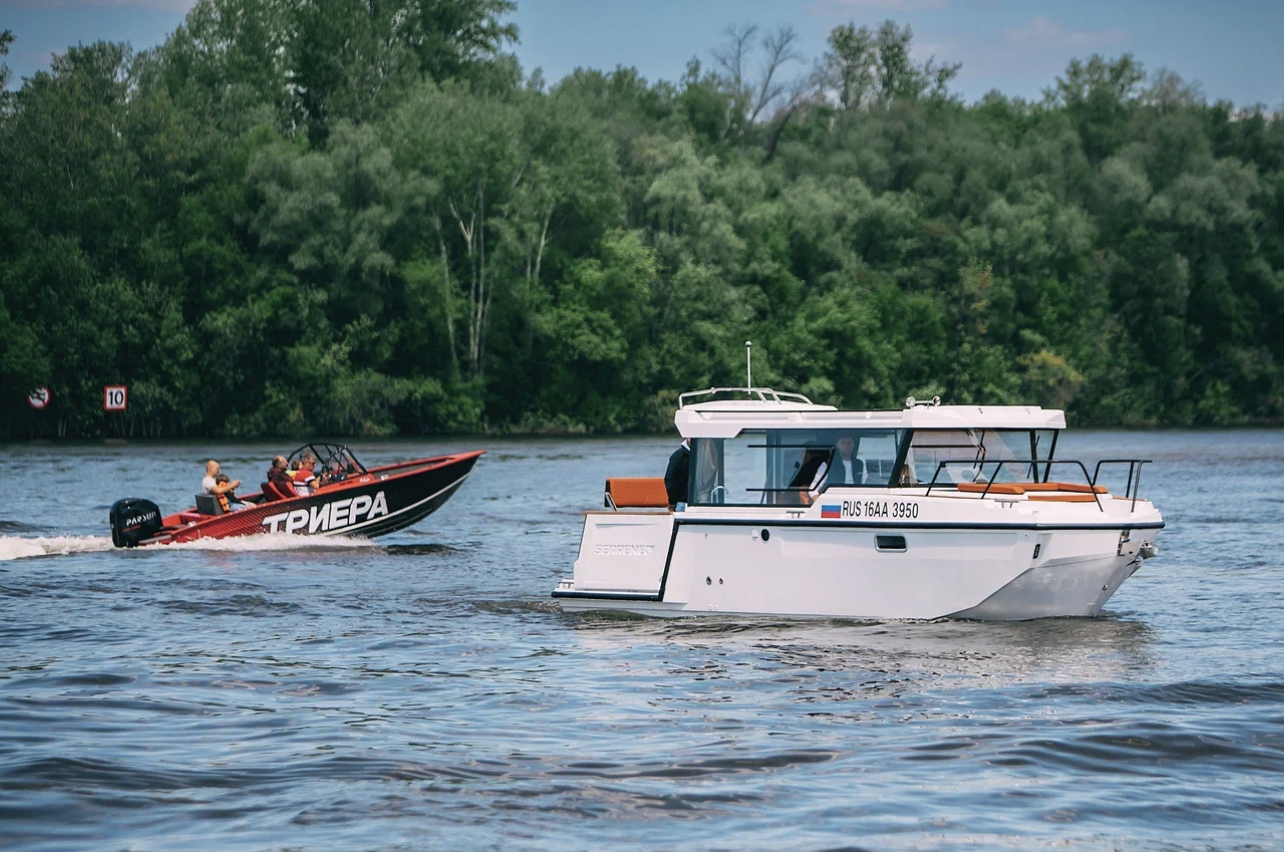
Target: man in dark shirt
279 478
678 474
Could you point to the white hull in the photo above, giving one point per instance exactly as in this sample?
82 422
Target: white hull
963 557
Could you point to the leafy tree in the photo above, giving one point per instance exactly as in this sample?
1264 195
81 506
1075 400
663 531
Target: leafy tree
361 217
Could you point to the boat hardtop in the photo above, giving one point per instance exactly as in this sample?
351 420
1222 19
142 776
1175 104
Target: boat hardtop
724 418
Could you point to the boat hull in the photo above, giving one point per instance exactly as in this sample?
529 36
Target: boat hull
382 501
666 564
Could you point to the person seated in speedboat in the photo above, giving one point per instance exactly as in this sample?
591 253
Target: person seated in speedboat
226 498
303 477
211 485
279 479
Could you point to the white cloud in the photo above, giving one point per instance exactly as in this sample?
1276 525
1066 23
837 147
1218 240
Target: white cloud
1047 33
51 5
844 8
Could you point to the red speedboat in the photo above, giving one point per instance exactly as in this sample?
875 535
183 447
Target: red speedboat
352 500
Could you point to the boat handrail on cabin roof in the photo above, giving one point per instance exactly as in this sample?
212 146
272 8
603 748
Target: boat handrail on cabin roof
754 394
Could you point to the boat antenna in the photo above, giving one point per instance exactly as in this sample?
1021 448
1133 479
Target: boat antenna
749 364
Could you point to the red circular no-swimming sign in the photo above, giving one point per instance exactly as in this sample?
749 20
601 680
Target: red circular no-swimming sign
38 398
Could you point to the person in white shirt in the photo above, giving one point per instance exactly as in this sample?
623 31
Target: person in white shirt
210 485
847 469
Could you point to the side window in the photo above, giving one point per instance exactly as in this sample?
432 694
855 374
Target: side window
877 454
730 471
788 467
708 479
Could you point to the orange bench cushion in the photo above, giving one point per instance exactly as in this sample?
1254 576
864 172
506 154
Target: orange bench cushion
996 488
638 492
1065 498
1063 486
1023 487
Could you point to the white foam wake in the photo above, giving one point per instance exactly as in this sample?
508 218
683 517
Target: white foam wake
17 547
272 541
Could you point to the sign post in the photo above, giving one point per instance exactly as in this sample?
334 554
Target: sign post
39 398
115 397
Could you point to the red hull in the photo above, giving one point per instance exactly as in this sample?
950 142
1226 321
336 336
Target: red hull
380 501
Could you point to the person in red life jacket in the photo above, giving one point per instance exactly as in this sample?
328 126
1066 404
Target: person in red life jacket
279 478
226 499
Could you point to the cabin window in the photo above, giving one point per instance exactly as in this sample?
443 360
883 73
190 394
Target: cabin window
978 455
788 467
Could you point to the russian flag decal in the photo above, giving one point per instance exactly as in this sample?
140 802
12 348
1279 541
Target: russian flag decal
831 511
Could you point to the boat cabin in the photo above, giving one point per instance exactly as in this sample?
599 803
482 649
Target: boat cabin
782 449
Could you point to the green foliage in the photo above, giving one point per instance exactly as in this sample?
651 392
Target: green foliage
355 217
6 39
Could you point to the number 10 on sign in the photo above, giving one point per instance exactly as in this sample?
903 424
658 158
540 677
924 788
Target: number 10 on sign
114 397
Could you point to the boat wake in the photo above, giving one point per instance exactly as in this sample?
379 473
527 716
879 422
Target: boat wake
17 547
272 541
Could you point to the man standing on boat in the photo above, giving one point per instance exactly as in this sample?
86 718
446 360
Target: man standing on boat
678 473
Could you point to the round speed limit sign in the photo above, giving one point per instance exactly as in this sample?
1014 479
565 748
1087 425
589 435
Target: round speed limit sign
38 398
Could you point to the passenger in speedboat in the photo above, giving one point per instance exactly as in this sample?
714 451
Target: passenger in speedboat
847 469
677 474
278 479
211 485
305 480
226 498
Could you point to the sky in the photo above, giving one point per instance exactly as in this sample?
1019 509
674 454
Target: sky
1016 46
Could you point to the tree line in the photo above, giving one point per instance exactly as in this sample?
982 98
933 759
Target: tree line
351 217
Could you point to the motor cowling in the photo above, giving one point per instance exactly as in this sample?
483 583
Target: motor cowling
134 520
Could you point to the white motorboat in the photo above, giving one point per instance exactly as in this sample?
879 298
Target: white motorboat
947 511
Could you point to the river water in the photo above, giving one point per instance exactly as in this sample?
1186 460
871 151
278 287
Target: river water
424 691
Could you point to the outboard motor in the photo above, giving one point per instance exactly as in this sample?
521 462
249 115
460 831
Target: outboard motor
134 520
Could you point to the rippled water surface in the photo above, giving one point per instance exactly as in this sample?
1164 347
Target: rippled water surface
424 692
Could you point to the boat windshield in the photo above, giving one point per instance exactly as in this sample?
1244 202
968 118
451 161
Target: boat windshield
334 460
782 466
974 455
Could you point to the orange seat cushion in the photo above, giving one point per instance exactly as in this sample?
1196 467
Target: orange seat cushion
996 488
1077 493
1065 498
1063 486
638 492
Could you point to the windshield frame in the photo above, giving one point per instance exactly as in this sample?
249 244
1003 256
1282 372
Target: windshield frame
986 443
326 454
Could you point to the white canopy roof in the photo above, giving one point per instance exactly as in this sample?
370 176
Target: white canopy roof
729 417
